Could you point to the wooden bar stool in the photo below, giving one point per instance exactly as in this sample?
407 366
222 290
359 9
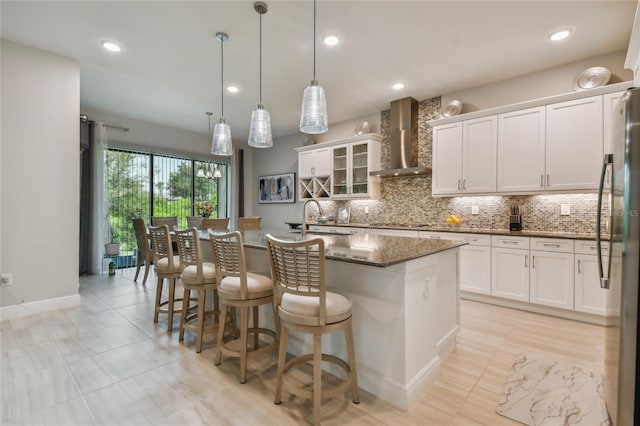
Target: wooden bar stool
166 266
144 251
303 304
249 223
240 289
220 224
201 277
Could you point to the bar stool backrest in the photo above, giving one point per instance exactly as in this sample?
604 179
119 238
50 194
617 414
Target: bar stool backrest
170 221
189 251
228 256
297 267
161 245
220 224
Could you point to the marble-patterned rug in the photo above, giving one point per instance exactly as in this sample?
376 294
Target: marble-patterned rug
549 393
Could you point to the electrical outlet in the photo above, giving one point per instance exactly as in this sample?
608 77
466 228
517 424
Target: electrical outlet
565 209
474 210
7 279
366 209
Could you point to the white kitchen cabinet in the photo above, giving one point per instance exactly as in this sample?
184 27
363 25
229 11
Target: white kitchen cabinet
350 166
314 173
464 157
589 296
510 273
313 163
574 144
521 150
551 279
447 159
609 102
475 269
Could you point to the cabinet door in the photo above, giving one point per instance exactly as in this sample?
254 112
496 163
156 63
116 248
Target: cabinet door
359 166
510 273
552 279
589 296
305 164
574 144
447 159
609 102
340 171
322 162
479 151
475 269
521 137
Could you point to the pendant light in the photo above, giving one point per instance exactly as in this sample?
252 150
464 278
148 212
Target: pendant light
221 144
260 127
202 173
313 119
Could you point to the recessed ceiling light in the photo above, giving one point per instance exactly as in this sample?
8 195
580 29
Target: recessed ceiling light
559 35
331 40
398 86
233 89
111 46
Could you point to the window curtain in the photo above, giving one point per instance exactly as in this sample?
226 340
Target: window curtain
99 201
86 135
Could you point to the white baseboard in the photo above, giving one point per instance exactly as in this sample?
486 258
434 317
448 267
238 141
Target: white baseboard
30 308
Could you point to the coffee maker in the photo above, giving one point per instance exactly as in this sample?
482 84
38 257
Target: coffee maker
515 219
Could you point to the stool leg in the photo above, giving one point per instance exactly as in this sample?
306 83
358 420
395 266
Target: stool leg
282 355
200 326
185 310
220 342
317 377
172 291
138 262
146 271
158 298
244 330
255 327
348 332
216 307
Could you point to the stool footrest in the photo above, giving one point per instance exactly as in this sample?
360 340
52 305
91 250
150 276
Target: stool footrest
327 392
232 347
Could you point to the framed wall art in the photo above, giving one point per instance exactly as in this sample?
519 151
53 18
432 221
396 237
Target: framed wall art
277 188
344 215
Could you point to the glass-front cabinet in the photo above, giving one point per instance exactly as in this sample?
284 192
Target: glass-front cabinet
340 169
350 166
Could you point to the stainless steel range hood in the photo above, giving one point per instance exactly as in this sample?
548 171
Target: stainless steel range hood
403 156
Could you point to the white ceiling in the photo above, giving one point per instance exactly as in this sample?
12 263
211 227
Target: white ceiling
169 70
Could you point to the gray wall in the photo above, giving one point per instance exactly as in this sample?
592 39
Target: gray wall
40 167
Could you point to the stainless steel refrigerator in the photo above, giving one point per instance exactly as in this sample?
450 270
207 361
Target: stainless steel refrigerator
619 224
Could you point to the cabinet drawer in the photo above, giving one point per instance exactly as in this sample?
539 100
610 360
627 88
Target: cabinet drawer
589 247
551 244
510 242
477 239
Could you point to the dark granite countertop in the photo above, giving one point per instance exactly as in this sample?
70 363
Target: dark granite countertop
373 250
464 230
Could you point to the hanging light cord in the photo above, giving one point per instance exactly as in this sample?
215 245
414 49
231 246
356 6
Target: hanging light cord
222 75
314 40
260 58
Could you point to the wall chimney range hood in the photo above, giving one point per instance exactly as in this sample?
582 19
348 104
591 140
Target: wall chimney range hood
403 155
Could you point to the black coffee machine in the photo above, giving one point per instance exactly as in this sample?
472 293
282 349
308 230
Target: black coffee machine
515 219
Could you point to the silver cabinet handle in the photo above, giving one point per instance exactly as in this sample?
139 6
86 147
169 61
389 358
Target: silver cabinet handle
458 183
533 261
470 239
464 184
541 181
551 245
434 237
548 180
526 257
313 171
510 242
579 266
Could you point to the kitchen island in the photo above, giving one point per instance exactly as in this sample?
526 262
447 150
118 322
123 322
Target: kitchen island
405 295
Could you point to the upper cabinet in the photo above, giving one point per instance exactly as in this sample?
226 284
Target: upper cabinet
340 169
521 150
464 157
574 144
546 145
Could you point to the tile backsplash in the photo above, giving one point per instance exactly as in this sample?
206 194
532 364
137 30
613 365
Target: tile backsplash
408 200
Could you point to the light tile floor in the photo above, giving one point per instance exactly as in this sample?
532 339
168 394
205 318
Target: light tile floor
106 363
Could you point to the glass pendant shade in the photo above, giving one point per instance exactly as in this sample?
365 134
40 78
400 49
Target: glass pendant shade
201 173
313 119
221 144
217 173
260 129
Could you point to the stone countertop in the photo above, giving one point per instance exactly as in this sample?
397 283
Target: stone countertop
462 229
373 250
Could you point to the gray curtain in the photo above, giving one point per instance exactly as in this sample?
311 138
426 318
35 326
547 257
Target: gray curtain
86 136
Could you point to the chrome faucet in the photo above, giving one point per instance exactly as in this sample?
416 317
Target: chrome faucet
304 215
